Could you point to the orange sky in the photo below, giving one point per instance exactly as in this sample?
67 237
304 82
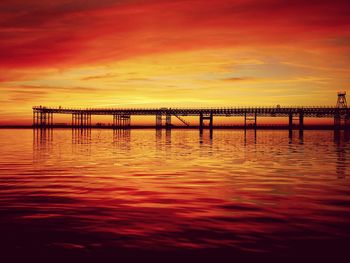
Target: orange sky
104 53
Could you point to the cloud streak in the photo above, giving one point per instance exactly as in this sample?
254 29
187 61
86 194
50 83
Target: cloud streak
65 33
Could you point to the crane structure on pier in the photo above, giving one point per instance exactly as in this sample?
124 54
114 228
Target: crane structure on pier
341 118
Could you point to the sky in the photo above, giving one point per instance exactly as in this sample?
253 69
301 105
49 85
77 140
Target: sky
162 53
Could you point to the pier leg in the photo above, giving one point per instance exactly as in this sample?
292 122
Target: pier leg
76 120
201 121
158 121
34 124
116 121
201 124
203 117
37 119
290 126
252 120
301 121
211 121
168 121
48 121
43 119
126 121
255 118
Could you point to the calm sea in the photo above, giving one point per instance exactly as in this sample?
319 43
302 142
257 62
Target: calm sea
103 190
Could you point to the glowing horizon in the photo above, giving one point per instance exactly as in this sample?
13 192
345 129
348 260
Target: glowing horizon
161 53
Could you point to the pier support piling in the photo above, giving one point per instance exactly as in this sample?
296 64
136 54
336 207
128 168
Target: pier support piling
42 119
290 125
163 119
301 121
159 121
168 121
248 118
121 121
203 117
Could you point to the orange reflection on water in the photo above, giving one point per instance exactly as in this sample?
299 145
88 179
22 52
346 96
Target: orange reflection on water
173 189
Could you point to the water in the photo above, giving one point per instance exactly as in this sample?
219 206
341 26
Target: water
101 190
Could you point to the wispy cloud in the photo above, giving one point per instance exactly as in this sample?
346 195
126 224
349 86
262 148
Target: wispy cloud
98 77
238 79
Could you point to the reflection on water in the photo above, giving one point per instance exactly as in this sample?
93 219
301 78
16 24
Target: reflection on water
157 189
80 136
341 140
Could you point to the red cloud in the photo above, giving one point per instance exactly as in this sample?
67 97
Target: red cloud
54 33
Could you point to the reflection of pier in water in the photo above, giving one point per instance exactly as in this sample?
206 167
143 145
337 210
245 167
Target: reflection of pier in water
122 138
163 140
81 136
341 143
296 134
43 142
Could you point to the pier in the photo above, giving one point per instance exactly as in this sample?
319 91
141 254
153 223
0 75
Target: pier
81 118
43 116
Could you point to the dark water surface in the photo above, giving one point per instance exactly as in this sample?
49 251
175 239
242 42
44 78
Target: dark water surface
104 191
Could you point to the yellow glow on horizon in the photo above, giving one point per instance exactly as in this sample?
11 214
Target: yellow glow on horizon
204 78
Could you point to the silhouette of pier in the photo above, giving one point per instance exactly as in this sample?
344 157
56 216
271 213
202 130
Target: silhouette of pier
43 116
81 118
